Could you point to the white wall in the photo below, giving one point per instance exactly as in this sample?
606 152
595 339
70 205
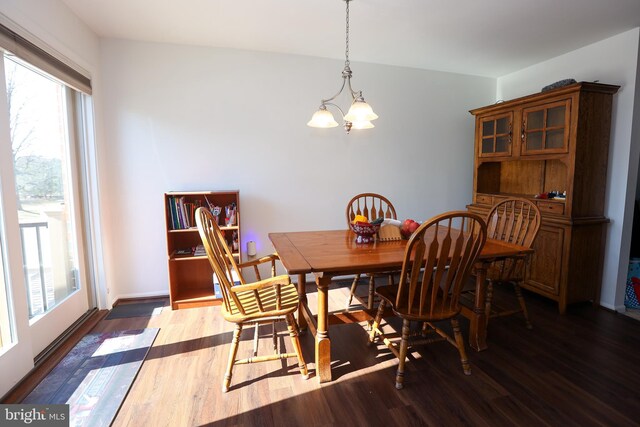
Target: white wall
612 61
192 118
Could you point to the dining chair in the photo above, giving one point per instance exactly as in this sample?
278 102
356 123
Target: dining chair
371 206
263 301
437 262
513 220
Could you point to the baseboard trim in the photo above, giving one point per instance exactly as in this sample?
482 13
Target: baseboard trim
139 296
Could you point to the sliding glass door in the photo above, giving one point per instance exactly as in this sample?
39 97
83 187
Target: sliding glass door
43 281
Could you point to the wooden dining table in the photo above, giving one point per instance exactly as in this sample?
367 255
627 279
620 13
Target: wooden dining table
331 253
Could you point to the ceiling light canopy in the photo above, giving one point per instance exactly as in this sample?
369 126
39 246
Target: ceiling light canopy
360 113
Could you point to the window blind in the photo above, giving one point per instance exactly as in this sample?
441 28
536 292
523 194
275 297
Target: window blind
39 57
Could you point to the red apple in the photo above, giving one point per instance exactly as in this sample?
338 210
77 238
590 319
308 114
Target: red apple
408 227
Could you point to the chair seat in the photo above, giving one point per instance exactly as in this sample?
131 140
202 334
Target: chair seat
267 295
443 312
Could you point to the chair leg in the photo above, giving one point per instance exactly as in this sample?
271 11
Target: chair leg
274 336
256 337
376 322
487 300
293 333
460 344
402 357
372 290
523 306
354 285
232 357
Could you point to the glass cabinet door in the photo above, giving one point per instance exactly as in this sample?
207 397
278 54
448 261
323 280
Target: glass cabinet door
545 128
495 135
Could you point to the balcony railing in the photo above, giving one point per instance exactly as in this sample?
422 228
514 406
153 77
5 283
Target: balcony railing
37 268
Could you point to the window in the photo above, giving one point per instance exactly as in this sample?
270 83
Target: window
45 278
41 161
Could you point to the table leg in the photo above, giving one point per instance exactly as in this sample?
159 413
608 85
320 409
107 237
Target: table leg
478 318
323 343
302 297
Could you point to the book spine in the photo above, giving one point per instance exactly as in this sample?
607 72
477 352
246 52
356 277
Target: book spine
179 209
183 211
174 213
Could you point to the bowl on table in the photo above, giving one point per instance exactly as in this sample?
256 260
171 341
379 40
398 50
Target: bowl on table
365 232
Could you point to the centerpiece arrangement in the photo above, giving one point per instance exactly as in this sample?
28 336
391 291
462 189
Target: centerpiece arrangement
365 230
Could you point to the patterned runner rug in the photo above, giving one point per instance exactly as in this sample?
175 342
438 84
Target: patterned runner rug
95 377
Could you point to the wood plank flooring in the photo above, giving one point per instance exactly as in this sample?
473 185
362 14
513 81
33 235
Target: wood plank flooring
577 369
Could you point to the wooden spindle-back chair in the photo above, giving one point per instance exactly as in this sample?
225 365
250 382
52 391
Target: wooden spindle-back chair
371 206
437 262
512 220
263 301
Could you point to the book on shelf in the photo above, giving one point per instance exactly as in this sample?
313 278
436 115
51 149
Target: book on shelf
184 252
172 212
199 251
183 212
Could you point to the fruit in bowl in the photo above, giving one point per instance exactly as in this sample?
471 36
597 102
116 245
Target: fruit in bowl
408 227
365 231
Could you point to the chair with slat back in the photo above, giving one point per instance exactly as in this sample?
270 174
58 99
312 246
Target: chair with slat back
263 301
371 206
437 262
512 220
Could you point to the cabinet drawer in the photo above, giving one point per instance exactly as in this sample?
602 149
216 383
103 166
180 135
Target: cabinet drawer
485 200
498 199
551 207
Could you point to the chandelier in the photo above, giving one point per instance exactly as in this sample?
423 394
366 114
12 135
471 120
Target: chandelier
360 113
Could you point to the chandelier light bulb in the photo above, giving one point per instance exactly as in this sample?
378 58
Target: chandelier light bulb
365 124
360 111
322 119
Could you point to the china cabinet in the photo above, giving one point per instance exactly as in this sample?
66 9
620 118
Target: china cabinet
551 142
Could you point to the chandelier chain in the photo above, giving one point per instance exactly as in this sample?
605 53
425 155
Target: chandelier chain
346 50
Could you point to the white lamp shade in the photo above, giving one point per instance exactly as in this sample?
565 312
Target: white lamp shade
322 119
365 124
360 111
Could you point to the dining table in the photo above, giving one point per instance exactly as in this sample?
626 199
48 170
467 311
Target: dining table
330 253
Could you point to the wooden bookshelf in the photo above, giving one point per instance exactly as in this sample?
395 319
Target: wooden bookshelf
191 276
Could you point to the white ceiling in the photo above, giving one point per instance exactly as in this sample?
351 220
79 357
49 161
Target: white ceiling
482 37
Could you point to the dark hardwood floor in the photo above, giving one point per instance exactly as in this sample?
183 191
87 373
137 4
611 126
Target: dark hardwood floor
577 369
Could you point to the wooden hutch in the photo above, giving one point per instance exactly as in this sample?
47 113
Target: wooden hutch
554 141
